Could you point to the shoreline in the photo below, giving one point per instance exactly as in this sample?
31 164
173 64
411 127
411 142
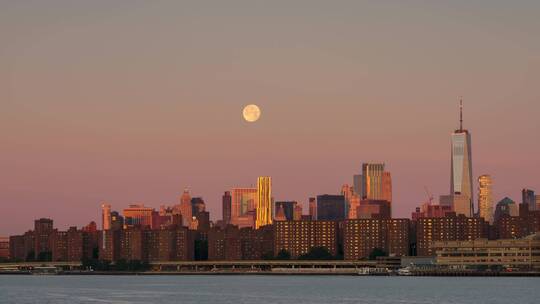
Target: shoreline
275 273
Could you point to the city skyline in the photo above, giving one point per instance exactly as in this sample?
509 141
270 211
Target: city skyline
378 169
132 103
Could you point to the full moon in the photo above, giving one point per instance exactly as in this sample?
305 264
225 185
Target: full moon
251 113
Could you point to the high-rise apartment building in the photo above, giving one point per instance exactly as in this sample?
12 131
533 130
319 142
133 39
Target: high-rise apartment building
448 228
224 244
264 202
529 198
461 180
485 198
43 229
362 236
298 237
537 202
525 223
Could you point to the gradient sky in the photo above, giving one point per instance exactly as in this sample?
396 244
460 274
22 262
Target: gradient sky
132 101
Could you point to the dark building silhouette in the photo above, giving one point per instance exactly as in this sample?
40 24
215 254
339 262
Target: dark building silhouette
515 227
224 244
288 209
197 206
203 218
528 197
43 228
330 207
226 207
312 208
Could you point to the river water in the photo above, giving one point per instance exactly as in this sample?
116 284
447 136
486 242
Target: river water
266 289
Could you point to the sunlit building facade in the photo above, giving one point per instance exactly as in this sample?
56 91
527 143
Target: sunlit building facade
461 180
376 183
105 216
485 198
264 202
138 215
312 208
372 179
521 253
243 206
186 209
105 222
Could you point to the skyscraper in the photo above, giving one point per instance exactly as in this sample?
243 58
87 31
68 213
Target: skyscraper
330 207
312 208
138 215
226 208
243 207
348 193
105 222
197 206
529 198
387 187
376 183
105 216
372 180
185 208
358 185
287 207
506 207
264 201
461 181
485 198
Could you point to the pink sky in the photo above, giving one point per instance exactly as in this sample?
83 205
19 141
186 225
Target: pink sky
135 101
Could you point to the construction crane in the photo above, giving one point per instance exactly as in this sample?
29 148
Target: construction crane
430 196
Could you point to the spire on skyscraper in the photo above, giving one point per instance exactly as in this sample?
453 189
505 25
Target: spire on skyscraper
461 114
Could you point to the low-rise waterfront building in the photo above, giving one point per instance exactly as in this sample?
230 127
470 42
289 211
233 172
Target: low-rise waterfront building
482 253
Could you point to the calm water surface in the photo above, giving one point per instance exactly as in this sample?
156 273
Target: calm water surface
266 289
